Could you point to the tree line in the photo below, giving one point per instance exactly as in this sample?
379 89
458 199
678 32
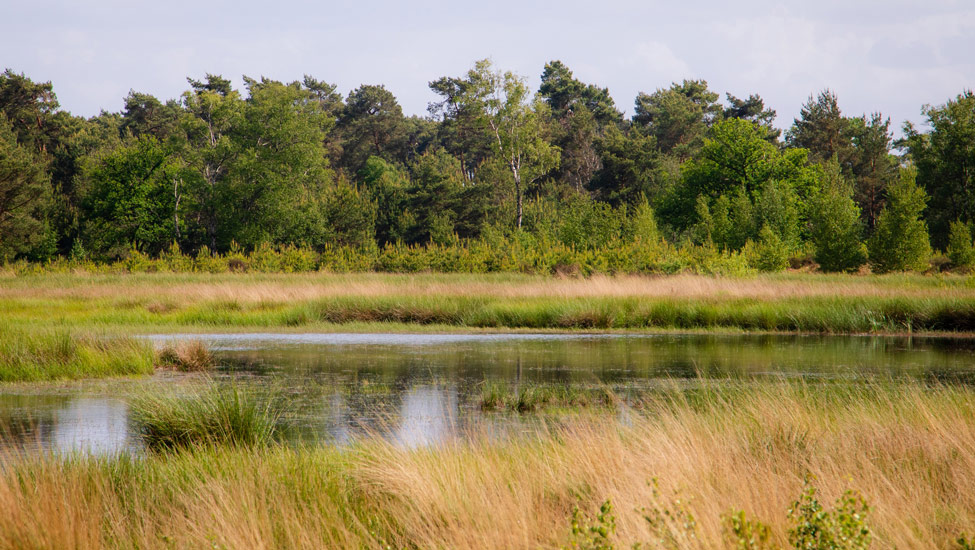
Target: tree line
222 169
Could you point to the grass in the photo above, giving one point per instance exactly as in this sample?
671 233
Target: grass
58 354
186 356
908 448
781 303
211 416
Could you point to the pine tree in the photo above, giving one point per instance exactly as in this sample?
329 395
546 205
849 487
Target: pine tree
900 242
960 250
835 225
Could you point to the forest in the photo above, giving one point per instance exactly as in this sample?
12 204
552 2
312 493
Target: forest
546 179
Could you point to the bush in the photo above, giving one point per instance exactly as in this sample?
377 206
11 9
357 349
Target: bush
770 253
843 528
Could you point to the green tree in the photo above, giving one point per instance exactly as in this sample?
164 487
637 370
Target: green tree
753 110
872 166
900 241
371 124
822 130
835 227
387 186
945 161
678 117
514 120
630 168
444 204
960 250
737 160
565 94
24 194
130 200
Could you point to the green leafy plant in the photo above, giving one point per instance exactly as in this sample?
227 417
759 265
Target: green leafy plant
842 528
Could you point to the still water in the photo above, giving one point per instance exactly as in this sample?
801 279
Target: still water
419 389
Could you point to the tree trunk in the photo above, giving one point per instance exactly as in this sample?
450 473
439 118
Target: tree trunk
518 195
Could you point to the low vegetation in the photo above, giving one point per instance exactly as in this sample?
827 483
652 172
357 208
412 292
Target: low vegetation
186 356
213 415
736 465
530 397
786 303
57 354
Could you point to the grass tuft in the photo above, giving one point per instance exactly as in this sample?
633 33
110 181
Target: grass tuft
187 356
212 416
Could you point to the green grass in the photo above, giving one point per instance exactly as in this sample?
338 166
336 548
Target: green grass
49 317
60 354
212 416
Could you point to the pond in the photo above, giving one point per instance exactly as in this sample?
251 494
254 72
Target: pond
418 389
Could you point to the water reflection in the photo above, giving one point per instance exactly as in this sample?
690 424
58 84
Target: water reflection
421 389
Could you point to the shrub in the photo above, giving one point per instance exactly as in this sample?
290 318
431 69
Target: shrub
747 534
770 253
835 230
843 528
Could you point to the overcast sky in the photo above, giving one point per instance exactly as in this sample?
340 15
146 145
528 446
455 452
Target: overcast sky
878 55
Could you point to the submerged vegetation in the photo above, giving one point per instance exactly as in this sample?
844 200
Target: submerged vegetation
709 467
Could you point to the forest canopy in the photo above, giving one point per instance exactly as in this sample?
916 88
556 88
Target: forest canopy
220 169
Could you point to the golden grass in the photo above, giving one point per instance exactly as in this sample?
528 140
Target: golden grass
160 289
186 355
909 450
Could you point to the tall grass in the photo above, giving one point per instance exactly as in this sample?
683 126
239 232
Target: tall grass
55 354
786 303
212 416
909 450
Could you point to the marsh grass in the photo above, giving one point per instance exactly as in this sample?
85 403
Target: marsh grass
743 450
215 415
783 303
187 356
62 353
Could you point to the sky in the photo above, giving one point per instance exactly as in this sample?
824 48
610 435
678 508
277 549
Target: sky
891 56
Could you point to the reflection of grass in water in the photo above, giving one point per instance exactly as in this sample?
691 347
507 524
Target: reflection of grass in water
213 415
52 354
747 446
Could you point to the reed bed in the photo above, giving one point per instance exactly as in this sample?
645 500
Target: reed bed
908 449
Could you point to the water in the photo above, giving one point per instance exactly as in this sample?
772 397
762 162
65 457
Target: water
421 389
